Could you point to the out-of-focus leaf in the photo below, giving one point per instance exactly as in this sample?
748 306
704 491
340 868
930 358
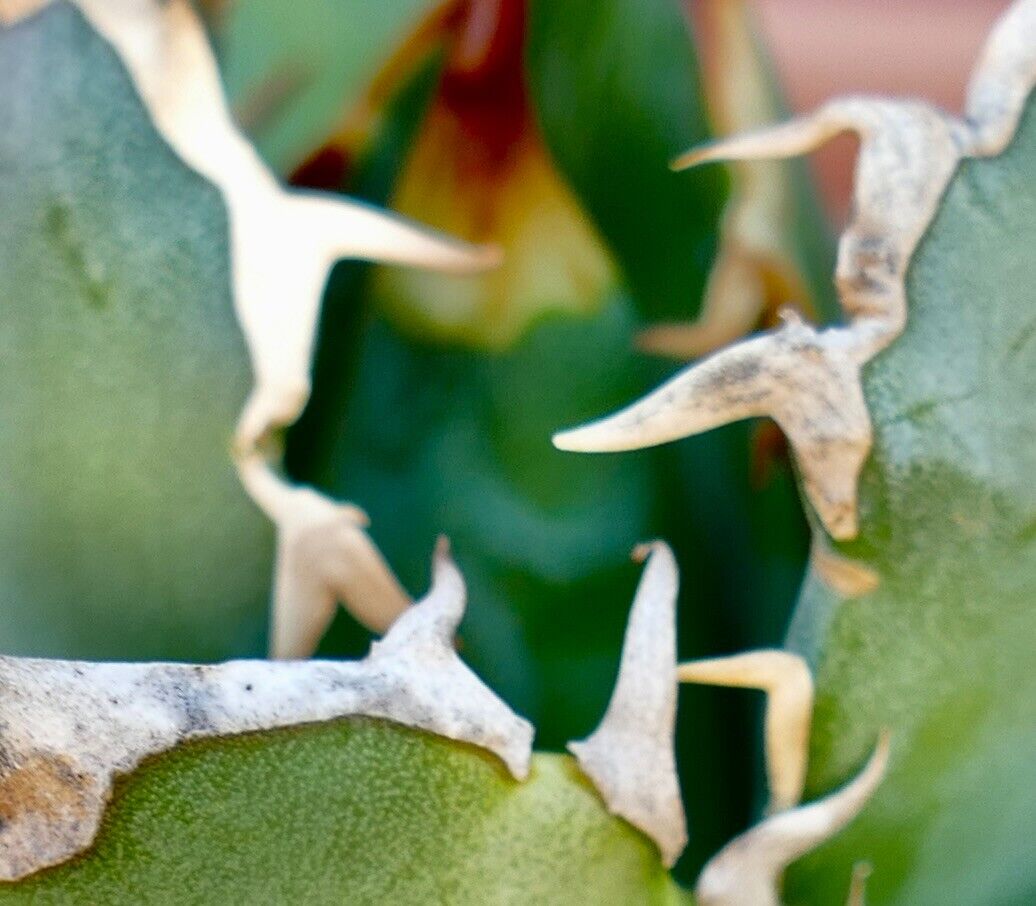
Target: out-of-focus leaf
439 440
294 70
432 439
941 652
616 90
617 93
775 246
356 811
124 530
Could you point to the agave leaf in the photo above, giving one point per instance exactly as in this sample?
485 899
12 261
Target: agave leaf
222 793
941 651
143 489
293 71
125 532
71 727
354 811
930 634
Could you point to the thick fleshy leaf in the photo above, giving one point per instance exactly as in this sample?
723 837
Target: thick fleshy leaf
941 651
125 532
120 781
355 811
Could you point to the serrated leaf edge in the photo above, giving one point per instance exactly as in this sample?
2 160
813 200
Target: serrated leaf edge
809 380
283 245
70 728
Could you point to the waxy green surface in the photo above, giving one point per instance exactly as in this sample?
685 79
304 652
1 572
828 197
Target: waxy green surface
124 532
354 811
942 652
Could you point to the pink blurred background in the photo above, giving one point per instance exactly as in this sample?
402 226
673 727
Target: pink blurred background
924 48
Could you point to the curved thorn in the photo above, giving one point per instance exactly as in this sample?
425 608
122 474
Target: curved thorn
781 140
630 757
324 557
747 871
788 683
732 384
858 884
807 381
1002 80
351 229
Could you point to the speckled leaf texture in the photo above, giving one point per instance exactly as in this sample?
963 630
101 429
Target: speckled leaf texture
942 651
358 812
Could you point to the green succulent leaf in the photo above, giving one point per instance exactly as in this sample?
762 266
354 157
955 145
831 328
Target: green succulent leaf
358 811
941 652
125 532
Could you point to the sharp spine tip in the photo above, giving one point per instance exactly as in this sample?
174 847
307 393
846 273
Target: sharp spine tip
568 441
630 757
700 154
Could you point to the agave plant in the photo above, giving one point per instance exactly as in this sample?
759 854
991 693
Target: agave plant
209 421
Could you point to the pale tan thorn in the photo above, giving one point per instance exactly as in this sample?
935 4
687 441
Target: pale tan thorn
1002 80
351 229
734 300
630 756
790 139
848 577
858 884
909 152
788 684
747 871
731 385
808 381
324 557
